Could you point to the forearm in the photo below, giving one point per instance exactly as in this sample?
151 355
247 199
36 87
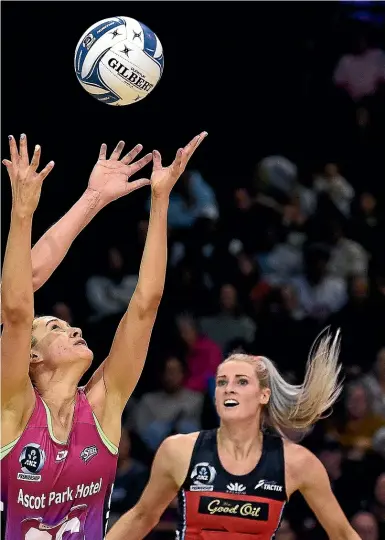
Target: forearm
133 526
353 536
152 272
348 534
16 290
52 247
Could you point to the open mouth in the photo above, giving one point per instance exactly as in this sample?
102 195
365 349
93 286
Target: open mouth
80 342
230 403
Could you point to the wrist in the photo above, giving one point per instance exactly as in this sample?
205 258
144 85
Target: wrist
161 198
93 200
21 214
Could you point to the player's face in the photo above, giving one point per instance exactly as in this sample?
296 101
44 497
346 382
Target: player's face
238 394
357 402
58 342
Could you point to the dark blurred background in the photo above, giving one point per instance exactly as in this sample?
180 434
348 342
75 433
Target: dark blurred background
276 231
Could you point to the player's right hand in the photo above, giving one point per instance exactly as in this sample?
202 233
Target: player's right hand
110 176
26 182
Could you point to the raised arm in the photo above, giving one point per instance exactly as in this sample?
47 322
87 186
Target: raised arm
119 373
53 246
17 293
316 489
108 182
161 489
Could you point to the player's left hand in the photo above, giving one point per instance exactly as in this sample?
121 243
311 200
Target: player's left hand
163 179
110 176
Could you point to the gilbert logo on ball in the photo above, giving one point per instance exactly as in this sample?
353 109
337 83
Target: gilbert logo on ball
119 61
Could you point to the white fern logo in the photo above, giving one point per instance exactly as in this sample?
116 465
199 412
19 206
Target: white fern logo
235 488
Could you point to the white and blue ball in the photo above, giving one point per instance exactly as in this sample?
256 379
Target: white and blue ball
119 61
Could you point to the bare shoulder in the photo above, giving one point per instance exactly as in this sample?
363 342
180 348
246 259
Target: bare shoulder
297 455
301 465
182 441
175 453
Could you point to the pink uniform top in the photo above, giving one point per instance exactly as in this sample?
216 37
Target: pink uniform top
56 491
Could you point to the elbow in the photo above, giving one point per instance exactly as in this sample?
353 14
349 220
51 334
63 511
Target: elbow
17 313
148 518
16 308
140 519
147 302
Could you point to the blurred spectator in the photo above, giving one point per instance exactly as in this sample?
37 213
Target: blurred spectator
191 199
187 288
247 280
230 322
304 203
379 442
203 354
342 481
366 526
359 288
319 294
62 311
367 224
347 258
379 297
375 384
296 212
378 505
283 259
339 190
243 221
285 532
362 72
171 409
358 318
109 294
131 478
356 429
280 314
248 219
276 179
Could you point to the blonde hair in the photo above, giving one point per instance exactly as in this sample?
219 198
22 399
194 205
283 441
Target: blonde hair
35 322
295 408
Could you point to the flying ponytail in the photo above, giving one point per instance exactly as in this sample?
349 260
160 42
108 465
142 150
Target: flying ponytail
295 408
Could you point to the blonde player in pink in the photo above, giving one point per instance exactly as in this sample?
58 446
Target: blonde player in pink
59 441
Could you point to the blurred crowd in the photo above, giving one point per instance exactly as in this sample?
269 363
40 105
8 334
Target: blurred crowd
295 250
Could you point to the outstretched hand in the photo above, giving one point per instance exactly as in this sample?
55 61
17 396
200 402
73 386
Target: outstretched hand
110 176
26 182
163 179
